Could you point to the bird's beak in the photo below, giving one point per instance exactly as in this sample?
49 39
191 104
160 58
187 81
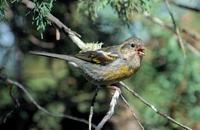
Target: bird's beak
140 49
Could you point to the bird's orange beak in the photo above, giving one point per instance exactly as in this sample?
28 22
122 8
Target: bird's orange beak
140 49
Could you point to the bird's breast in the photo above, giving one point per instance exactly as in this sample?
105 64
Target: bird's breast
118 73
108 74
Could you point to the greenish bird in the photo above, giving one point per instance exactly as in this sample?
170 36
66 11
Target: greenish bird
107 65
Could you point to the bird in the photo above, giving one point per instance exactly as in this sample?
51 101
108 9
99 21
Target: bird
108 65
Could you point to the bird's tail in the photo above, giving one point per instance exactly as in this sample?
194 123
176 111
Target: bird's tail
57 56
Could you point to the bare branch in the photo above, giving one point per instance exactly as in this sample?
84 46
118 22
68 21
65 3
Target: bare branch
154 108
184 31
186 7
111 109
75 37
194 50
92 107
40 43
176 29
8 115
132 111
90 116
21 87
57 34
14 99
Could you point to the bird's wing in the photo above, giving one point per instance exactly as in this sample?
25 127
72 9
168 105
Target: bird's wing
98 56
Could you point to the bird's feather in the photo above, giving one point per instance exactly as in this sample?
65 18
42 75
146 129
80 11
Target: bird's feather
98 57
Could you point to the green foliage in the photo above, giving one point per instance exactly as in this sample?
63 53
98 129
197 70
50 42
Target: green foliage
124 8
43 78
3 4
195 113
41 119
5 100
91 7
41 10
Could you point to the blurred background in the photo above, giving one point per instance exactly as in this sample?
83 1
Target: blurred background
167 78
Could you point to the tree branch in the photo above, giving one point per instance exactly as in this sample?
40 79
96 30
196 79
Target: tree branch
153 107
176 29
132 111
92 107
75 37
184 31
158 21
186 7
21 87
15 101
194 50
40 43
111 111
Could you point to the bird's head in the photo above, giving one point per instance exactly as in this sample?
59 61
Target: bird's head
132 47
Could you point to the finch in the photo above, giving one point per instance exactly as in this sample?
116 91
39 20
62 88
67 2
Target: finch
107 65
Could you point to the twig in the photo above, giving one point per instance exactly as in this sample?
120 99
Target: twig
169 27
92 107
75 37
20 86
176 29
111 109
194 50
90 116
8 115
186 7
134 115
153 107
57 34
158 21
40 43
15 101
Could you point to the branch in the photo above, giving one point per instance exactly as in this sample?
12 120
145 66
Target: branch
194 50
40 43
158 21
176 29
15 101
186 7
92 107
132 111
184 31
21 87
154 108
75 37
111 111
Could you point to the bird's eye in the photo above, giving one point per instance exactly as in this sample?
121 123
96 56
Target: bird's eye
132 45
